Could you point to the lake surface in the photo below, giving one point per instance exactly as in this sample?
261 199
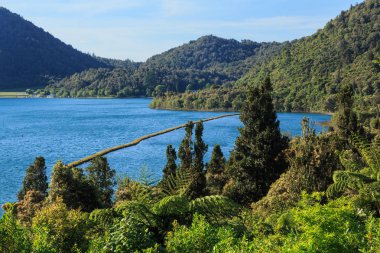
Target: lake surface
69 129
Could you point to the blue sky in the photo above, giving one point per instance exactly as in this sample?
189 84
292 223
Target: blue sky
138 29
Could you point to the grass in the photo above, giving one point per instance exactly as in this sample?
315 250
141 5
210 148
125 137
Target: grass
13 94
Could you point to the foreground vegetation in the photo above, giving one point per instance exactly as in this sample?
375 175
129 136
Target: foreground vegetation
314 193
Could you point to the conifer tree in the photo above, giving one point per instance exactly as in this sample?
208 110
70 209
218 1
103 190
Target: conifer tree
215 168
185 151
200 147
171 166
35 178
102 178
346 121
256 161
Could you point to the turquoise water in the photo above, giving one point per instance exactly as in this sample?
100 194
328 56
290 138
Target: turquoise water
69 129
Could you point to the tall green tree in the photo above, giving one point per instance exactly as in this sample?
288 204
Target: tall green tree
257 160
185 151
171 166
200 148
102 178
215 177
346 119
73 187
35 178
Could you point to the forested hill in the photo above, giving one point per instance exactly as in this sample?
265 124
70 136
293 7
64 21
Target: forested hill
308 72
29 56
192 66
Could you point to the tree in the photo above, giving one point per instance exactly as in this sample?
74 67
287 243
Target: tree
215 168
257 160
200 149
185 151
102 178
171 166
346 121
72 186
35 178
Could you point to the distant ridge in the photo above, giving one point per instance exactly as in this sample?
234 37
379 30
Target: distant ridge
30 57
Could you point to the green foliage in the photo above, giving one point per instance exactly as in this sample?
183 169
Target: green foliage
215 177
57 229
312 159
14 238
199 237
256 160
364 181
171 166
102 178
35 178
185 151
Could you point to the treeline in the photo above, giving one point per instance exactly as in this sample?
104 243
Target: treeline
210 99
192 66
314 193
308 73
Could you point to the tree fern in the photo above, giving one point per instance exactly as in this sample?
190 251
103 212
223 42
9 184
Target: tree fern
178 183
215 207
365 181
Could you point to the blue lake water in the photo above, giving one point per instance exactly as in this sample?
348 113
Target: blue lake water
69 129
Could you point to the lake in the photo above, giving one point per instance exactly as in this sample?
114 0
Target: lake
69 129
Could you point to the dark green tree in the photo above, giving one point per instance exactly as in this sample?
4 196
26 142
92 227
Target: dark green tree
200 149
171 166
215 177
102 178
35 178
257 160
73 187
346 119
185 151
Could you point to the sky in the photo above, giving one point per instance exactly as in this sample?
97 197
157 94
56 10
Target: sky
139 29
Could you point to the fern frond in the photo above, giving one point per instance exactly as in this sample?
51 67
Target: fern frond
369 151
139 212
104 217
176 205
215 207
347 180
178 183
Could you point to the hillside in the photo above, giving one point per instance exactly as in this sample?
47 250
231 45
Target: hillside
308 72
192 66
30 57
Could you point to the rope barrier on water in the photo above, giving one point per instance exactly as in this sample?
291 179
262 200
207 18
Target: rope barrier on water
138 140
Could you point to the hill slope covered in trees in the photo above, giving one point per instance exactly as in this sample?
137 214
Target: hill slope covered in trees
308 72
192 66
30 57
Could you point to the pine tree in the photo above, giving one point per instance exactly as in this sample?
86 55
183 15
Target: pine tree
185 151
171 166
200 147
256 161
35 178
346 121
215 168
102 178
